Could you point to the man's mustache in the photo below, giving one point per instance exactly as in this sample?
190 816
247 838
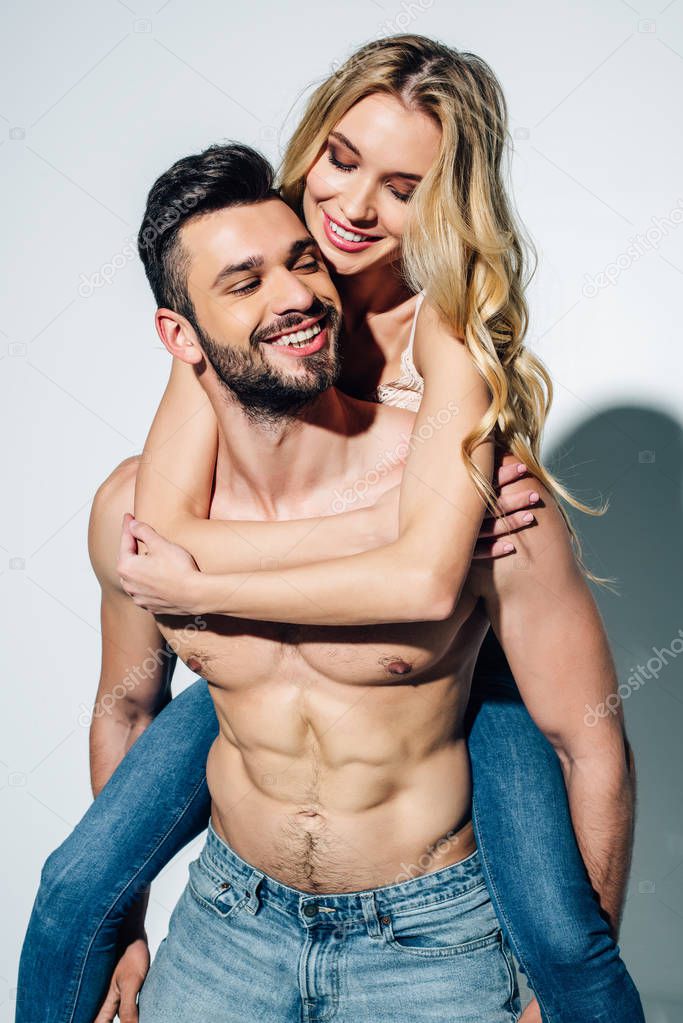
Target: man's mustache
290 322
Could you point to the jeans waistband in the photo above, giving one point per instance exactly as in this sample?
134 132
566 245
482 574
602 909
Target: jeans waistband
424 890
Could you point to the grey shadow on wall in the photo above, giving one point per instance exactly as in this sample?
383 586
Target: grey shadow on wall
633 456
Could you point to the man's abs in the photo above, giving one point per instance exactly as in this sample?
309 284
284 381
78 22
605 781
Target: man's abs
341 762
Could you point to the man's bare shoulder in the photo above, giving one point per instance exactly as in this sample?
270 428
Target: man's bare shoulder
544 554
384 433
113 498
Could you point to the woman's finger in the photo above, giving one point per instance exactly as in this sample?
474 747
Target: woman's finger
485 550
509 471
146 533
511 502
508 524
127 544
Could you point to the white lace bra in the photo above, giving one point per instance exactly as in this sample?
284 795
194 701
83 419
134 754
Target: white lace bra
406 391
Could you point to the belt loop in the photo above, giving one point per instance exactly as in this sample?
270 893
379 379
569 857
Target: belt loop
252 899
370 914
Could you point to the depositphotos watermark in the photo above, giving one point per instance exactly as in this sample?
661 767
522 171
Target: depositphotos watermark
443 845
409 12
638 246
141 673
152 230
389 460
636 680
108 271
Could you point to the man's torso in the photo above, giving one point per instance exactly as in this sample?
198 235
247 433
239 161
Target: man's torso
341 760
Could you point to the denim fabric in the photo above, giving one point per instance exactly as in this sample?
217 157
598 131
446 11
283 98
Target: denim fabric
536 877
157 801
243 946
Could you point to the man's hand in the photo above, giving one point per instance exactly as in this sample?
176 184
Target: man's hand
532 1013
128 978
163 580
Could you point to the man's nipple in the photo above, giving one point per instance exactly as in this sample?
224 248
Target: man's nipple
397 666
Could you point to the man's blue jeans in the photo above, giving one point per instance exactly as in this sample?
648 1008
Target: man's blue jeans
157 801
243 946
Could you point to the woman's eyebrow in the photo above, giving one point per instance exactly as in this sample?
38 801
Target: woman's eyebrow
354 149
347 142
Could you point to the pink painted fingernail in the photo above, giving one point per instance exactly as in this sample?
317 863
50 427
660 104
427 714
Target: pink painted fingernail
533 496
529 517
521 468
508 548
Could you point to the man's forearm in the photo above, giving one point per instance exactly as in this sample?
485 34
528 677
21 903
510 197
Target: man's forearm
110 739
601 793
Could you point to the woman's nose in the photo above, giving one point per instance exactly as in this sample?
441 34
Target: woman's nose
358 205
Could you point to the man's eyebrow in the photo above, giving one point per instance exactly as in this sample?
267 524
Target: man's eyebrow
299 246
256 262
250 263
354 149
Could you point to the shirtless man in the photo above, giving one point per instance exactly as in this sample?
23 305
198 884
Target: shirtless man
340 877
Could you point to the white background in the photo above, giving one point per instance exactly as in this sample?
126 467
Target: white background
97 99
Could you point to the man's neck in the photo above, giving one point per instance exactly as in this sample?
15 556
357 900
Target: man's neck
280 468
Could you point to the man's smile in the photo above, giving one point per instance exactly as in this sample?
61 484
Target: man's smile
306 338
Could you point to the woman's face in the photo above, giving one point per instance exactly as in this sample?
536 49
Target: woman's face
363 180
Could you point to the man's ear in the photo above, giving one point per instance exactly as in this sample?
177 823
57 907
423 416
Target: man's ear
178 336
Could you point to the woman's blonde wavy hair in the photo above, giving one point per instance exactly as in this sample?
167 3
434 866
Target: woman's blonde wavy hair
462 242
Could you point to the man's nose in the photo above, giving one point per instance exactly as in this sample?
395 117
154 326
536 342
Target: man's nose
291 293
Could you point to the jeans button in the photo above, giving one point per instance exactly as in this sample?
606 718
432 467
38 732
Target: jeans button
310 909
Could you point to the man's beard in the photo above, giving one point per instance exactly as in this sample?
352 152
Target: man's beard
266 392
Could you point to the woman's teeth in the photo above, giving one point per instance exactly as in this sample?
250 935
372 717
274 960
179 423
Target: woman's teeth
349 236
299 337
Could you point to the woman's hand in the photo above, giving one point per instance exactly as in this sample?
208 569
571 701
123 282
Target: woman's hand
164 579
516 496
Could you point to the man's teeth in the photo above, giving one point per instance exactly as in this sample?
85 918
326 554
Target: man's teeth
299 337
349 236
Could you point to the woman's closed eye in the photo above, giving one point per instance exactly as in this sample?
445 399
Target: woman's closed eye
348 167
336 162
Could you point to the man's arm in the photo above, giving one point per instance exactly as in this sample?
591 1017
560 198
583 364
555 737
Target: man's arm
134 684
137 666
549 626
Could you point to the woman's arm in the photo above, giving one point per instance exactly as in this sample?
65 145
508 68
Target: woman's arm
173 491
418 576
176 470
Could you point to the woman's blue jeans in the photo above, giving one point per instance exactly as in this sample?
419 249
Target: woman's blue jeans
157 801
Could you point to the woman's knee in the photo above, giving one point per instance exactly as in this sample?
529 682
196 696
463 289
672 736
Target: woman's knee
75 884
67 882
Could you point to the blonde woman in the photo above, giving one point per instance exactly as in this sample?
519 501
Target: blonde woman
397 170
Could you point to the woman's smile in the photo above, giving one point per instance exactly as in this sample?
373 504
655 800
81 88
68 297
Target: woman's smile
345 239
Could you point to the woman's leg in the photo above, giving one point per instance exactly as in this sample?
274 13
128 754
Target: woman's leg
154 804
534 870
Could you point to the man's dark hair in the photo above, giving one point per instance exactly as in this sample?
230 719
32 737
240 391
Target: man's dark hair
220 177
